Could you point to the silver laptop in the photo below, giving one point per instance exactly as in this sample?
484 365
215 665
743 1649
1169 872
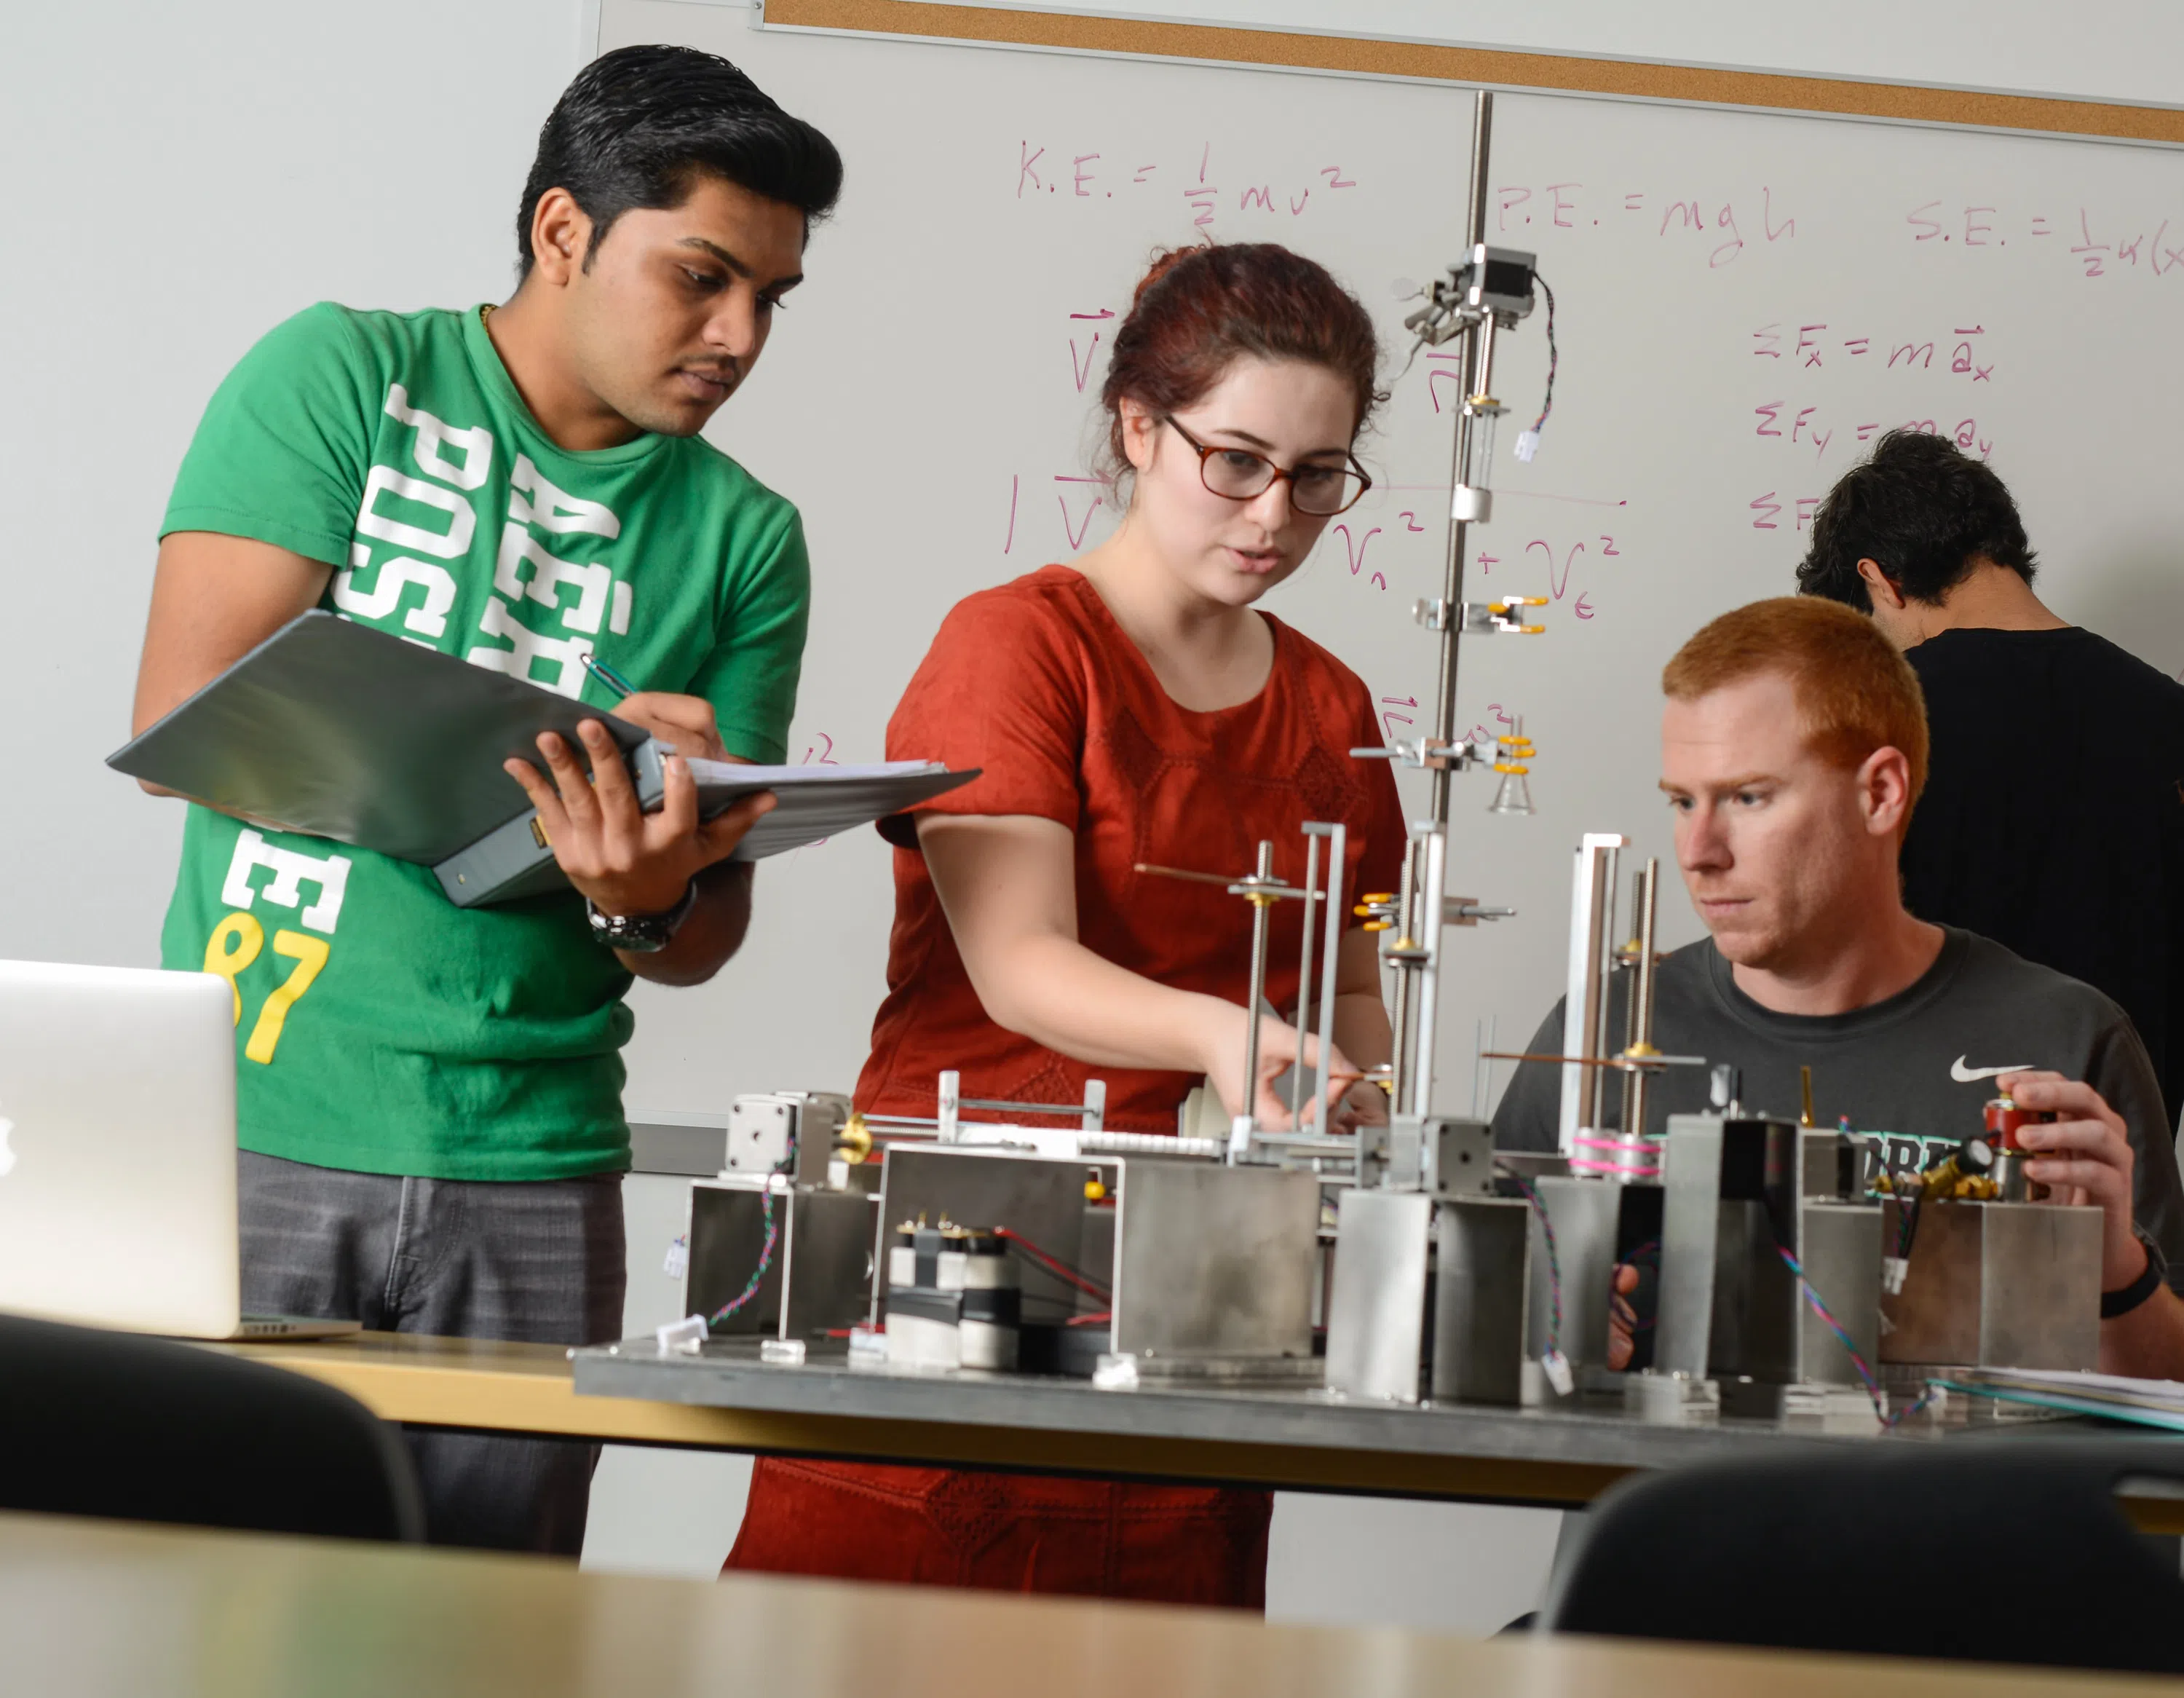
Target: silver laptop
117 1153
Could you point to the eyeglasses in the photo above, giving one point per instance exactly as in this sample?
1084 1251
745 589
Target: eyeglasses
1240 475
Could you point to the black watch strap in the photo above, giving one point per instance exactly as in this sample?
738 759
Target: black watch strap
2122 1302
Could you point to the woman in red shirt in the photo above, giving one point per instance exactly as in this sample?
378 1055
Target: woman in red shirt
1130 708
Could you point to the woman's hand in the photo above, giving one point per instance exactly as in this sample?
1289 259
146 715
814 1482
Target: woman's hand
1364 1105
1222 1055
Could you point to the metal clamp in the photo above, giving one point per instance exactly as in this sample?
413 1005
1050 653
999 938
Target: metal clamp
1429 754
1501 619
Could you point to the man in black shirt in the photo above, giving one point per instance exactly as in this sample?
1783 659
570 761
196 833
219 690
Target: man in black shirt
2053 819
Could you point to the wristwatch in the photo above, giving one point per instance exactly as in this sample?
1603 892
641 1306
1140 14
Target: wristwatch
640 934
2125 1298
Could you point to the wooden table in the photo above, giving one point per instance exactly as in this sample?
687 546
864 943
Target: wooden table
108 1610
1492 1456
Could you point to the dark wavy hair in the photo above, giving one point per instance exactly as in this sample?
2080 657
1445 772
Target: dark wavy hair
639 125
1924 511
1198 310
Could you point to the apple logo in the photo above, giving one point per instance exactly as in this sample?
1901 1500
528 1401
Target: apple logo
6 1155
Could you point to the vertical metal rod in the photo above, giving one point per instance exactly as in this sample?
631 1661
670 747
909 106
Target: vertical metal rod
1399 1058
1338 849
1261 914
1584 1016
1603 971
1631 1004
1432 913
1304 977
1482 126
1482 132
1641 992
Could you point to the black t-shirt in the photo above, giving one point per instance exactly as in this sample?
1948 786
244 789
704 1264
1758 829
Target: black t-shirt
1913 1071
2053 820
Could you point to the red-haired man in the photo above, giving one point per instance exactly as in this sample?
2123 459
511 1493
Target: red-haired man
1793 747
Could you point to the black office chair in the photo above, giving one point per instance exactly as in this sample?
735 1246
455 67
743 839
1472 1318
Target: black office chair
96 1423
2001 1549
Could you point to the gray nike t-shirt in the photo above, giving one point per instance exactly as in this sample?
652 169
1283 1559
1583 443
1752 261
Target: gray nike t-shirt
1913 1071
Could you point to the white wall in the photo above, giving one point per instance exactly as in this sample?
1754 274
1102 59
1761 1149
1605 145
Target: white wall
179 179
2128 50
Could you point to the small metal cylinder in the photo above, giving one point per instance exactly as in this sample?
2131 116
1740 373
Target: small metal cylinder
2004 1117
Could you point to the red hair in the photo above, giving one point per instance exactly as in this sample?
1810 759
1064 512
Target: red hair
1856 693
1199 310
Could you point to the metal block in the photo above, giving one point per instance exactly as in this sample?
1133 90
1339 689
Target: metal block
761 1133
1445 1154
1459 1156
1213 1263
1483 1283
1996 1285
1690 1226
1376 1323
1040 1199
1738 1191
1586 1215
822 1258
769 1130
1734 1188
1840 1250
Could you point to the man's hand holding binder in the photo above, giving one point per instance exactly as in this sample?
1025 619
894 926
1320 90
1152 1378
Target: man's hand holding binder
629 863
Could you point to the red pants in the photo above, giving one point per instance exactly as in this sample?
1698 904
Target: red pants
1010 1533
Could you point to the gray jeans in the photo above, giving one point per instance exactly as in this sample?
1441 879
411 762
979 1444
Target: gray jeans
540 1260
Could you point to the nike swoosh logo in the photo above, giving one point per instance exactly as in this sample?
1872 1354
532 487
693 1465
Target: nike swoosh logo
1966 1075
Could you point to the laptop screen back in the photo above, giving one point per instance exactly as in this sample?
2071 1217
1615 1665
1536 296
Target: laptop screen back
117 1147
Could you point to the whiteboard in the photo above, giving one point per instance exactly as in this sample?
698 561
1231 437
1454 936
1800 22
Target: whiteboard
1744 299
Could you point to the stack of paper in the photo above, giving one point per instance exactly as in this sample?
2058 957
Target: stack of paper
2148 1402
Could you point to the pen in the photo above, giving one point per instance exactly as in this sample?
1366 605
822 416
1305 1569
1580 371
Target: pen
608 676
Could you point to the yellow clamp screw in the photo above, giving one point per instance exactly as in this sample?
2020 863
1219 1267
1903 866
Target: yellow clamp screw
1372 909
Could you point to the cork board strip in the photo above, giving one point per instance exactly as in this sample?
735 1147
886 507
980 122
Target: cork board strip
1690 84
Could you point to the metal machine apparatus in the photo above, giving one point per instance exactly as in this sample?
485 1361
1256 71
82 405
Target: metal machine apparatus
1434 1271
1760 1214
1981 1271
780 1245
1134 1252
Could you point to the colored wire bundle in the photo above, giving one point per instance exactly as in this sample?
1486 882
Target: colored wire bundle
1865 1373
1554 1264
764 1261
1554 357
1054 1264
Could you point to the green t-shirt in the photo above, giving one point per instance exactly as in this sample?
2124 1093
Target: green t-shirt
378 1027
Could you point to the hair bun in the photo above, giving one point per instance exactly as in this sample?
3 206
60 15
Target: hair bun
1164 261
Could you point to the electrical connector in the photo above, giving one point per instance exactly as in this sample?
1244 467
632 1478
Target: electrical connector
688 1335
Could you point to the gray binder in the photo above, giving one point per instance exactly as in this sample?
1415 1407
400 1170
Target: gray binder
336 730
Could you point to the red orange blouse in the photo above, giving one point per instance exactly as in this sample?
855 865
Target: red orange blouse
1036 684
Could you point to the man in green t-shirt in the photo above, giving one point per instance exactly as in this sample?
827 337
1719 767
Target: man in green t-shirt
430 1097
